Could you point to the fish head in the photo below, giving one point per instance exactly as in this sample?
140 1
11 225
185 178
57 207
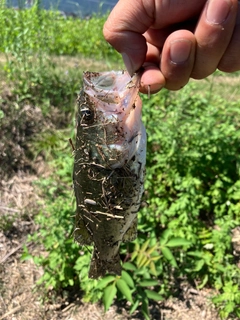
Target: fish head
110 114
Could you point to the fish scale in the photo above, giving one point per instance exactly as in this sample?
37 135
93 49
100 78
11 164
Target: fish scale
109 166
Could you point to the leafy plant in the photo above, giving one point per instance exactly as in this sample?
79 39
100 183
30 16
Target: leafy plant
228 301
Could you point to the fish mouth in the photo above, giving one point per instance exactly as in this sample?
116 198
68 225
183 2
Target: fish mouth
111 87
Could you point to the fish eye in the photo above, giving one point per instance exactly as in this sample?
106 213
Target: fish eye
86 113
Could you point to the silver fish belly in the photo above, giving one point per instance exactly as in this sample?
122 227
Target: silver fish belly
109 166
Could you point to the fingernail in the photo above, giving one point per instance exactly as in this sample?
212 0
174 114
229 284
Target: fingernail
217 13
180 50
128 63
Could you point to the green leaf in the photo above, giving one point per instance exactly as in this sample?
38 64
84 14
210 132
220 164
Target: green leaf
143 261
127 278
26 256
71 282
204 282
145 309
145 245
155 258
137 246
197 254
134 306
108 295
124 288
169 256
230 306
129 266
153 268
140 257
105 281
178 242
153 295
148 283
134 255
199 265
150 250
165 235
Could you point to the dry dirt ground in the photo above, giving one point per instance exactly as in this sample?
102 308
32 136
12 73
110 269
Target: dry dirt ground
19 298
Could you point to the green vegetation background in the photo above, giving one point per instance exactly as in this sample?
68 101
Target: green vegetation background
192 197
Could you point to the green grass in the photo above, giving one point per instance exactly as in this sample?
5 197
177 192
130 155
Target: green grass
193 177
49 31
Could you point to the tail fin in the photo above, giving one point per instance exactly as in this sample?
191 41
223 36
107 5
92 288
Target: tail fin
98 268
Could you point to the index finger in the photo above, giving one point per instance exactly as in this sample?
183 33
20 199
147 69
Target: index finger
128 21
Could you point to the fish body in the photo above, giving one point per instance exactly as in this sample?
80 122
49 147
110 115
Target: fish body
109 166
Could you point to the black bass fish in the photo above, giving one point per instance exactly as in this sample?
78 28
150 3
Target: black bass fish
109 166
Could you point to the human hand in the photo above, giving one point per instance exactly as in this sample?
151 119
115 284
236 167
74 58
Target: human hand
175 40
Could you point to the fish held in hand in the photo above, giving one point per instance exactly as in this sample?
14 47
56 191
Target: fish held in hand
109 166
